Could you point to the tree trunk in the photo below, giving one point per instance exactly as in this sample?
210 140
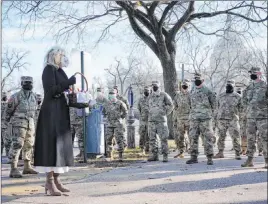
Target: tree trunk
170 82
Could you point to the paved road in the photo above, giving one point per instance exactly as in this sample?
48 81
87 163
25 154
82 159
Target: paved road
166 183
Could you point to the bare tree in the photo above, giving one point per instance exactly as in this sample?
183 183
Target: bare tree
13 61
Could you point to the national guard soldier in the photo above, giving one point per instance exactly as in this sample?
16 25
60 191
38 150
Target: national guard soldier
182 110
20 113
101 99
143 108
228 109
160 106
203 105
115 111
257 115
5 137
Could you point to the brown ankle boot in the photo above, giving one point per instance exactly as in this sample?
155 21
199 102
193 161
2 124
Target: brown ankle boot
50 185
219 155
248 163
28 168
14 172
59 184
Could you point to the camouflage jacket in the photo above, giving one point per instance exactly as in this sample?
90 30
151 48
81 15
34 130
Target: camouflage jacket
203 103
256 101
74 118
115 113
160 105
3 109
123 99
181 106
229 106
143 108
21 109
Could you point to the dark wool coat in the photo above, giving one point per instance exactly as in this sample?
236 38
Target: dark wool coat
53 142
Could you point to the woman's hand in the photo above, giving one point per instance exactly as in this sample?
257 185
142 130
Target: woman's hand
72 80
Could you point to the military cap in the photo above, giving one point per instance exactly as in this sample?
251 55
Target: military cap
116 87
155 83
146 88
239 89
197 75
231 82
111 90
185 83
254 70
26 78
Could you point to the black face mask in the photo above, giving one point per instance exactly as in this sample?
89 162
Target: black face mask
155 88
239 92
146 93
253 76
198 82
27 87
184 87
229 89
4 98
39 102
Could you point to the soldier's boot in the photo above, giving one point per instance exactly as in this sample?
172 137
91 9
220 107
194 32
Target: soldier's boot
192 160
219 155
180 155
28 168
153 157
260 153
165 157
58 183
50 185
237 155
14 172
248 163
209 161
266 163
120 156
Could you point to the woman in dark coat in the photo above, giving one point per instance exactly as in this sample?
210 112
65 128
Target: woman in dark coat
53 143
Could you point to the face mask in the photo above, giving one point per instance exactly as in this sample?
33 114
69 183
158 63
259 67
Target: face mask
253 76
146 93
112 97
184 87
27 86
64 61
4 98
155 88
198 82
229 89
239 92
39 102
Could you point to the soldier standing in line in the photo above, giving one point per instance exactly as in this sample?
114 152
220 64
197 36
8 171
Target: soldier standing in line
229 107
257 115
101 99
143 126
203 106
21 110
182 110
115 111
160 106
125 101
5 137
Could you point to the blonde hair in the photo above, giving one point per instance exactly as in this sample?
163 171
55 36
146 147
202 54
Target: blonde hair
50 56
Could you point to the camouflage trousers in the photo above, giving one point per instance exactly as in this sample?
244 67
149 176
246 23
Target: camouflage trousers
234 130
160 129
22 140
205 128
244 142
77 129
254 125
243 127
181 128
144 135
6 139
118 133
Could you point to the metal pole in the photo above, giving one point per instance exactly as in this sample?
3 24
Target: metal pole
182 72
83 110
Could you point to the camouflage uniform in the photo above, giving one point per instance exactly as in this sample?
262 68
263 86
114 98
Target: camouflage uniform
115 112
160 105
229 107
257 117
77 128
143 126
20 113
203 105
243 123
181 111
6 140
